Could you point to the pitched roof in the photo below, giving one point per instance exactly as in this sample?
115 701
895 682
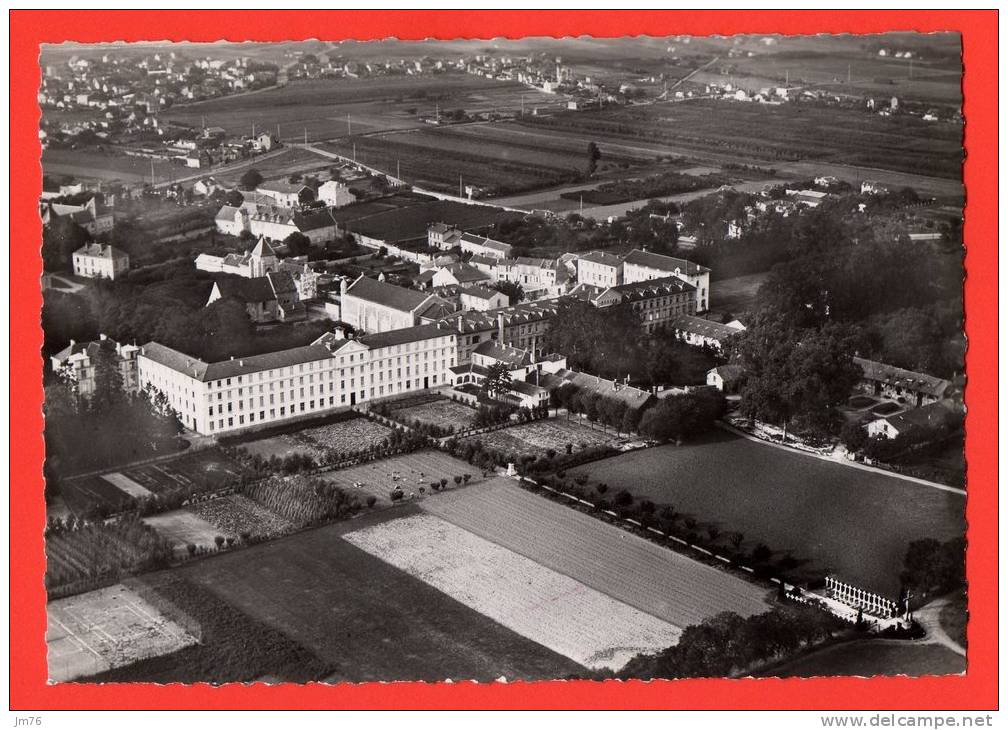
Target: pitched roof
312 220
513 356
263 248
703 327
933 415
664 263
647 289
481 292
466 273
627 394
203 371
899 377
281 186
226 213
389 295
247 291
402 336
728 372
101 250
602 257
486 242
281 282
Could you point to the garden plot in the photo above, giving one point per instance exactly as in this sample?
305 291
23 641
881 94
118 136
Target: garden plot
346 436
126 484
539 436
181 527
112 627
552 609
408 472
281 447
443 413
204 470
236 513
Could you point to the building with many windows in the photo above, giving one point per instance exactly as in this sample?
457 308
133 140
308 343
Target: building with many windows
644 265
656 302
330 374
76 362
100 261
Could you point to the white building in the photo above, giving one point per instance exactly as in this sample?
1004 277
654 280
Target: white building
75 364
231 221
335 194
599 268
329 375
100 261
373 306
643 266
481 298
474 244
701 332
443 236
285 194
261 260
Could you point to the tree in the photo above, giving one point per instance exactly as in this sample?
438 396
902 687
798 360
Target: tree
233 198
298 244
59 240
594 155
251 179
497 380
514 291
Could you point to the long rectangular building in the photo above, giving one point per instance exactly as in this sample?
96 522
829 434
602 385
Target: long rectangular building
332 373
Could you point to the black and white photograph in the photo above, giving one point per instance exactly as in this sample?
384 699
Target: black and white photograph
504 360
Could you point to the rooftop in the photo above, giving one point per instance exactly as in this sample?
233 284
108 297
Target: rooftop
902 378
389 295
101 250
703 327
664 263
402 336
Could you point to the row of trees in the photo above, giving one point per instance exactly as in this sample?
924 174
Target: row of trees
727 644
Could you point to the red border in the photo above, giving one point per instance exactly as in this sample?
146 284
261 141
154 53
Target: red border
28 691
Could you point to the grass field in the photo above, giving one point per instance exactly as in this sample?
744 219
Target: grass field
111 627
366 619
539 436
541 604
872 658
632 570
738 294
854 523
92 164
182 527
409 472
443 413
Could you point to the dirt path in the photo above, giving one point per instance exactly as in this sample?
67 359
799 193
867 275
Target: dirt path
929 619
839 459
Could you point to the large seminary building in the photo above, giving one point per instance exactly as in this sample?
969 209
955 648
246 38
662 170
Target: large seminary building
330 374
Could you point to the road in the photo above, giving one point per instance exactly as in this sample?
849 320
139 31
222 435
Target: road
231 167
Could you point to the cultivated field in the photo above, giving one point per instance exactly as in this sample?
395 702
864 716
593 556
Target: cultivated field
236 513
368 620
112 627
409 472
92 164
538 436
352 434
854 523
443 413
320 107
536 602
637 572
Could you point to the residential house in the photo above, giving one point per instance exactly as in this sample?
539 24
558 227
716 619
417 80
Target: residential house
630 396
905 386
231 221
443 236
473 244
600 268
100 261
335 194
285 194
75 364
452 275
725 378
936 418
481 298
94 215
276 223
